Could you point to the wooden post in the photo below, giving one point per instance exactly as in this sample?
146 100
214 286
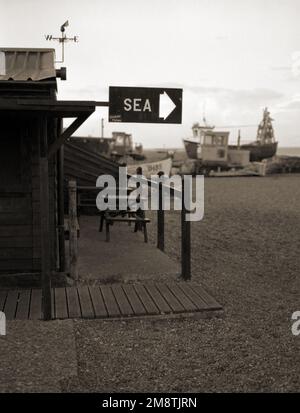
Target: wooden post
160 220
185 241
73 244
45 226
60 203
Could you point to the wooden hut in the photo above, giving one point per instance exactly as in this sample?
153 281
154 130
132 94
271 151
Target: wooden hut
31 173
28 74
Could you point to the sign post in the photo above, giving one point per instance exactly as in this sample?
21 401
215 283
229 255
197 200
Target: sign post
145 105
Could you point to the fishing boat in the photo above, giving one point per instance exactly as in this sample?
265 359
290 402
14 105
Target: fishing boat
209 151
152 168
121 145
264 147
117 147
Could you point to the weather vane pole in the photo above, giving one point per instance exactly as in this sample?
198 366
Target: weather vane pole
63 39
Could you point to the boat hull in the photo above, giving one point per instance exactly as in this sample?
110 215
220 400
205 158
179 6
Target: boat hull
152 168
258 151
191 148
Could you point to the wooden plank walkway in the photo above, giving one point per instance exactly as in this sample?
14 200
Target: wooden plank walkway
110 301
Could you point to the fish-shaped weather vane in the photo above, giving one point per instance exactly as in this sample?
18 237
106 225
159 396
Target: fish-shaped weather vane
62 39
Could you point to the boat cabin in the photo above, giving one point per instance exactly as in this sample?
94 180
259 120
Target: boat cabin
122 146
213 148
121 143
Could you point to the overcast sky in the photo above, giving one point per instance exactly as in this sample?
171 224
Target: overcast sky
232 57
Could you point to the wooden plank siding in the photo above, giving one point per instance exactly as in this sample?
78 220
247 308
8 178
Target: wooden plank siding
20 244
16 246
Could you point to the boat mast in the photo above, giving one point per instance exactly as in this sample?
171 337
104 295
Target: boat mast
265 131
198 130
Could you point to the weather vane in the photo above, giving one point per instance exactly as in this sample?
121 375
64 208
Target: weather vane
63 39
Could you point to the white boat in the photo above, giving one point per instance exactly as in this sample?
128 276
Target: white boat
152 168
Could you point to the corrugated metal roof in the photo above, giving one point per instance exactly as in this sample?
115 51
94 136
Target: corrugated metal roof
27 64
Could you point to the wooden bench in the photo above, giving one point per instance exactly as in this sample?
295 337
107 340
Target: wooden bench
123 216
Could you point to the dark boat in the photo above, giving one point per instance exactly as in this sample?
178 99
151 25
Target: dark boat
191 148
264 147
120 145
260 151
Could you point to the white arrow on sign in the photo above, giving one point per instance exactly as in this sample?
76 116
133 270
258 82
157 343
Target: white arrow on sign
166 105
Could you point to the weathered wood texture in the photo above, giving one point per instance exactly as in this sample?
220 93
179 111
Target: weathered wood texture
73 242
160 220
84 165
45 221
185 236
111 301
16 246
20 246
60 205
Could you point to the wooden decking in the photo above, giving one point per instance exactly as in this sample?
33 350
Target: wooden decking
110 301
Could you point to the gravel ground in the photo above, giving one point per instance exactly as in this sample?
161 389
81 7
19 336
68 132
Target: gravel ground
36 355
246 252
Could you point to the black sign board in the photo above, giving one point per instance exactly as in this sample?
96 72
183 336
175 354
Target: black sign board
145 105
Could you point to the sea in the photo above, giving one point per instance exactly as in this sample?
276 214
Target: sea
288 151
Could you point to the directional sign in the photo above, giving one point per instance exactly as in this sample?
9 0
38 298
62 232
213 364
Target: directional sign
145 105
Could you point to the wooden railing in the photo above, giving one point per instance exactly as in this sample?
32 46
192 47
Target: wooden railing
185 230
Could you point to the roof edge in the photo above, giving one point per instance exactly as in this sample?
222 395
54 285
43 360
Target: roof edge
26 49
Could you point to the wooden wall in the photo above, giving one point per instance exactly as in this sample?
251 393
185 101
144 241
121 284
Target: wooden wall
20 249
